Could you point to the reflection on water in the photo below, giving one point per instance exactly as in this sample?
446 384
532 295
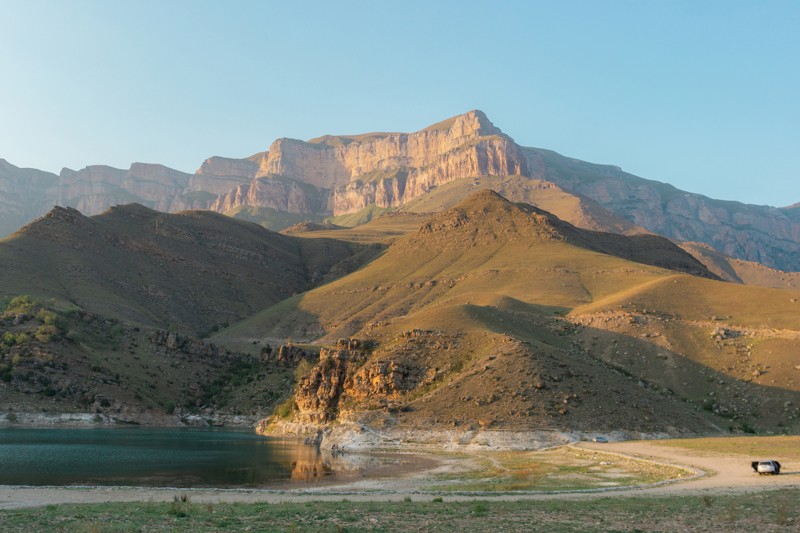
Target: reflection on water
313 465
174 457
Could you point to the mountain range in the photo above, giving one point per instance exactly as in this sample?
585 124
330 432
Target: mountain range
446 280
355 177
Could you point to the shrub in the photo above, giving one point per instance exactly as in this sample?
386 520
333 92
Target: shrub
9 339
179 506
285 409
46 333
169 407
22 304
480 508
303 369
46 317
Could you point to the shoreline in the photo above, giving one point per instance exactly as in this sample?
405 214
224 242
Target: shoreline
712 475
33 419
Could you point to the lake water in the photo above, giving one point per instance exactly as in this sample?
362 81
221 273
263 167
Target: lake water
173 457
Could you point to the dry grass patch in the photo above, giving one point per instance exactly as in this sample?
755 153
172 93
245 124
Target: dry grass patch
561 469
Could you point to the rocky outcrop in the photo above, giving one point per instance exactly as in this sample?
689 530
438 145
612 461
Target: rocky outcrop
175 342
345 378
318 394
385 381
284 355
283 194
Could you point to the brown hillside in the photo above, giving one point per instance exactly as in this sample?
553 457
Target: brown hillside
545 195
739 271
192 272
480 320
486 216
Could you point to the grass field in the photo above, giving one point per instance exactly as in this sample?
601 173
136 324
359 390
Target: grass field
767 511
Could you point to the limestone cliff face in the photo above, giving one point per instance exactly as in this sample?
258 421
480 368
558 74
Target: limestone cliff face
492 156
315 164
387 169
24 195
218 175
284 194
93 189
763 234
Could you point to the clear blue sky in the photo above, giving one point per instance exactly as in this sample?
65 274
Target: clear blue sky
701 94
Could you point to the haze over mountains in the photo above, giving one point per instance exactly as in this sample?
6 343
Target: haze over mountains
361 175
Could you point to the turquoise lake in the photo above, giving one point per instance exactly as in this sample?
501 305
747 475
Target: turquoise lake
173 457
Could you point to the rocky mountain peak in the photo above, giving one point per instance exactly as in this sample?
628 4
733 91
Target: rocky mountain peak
57 223
132 210
65 214
469 124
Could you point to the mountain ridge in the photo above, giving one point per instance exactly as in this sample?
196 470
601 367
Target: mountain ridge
191 272
344 174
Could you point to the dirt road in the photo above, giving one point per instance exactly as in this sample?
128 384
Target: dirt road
718 473
715 474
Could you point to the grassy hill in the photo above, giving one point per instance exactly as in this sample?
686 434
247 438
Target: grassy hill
576 210
190 272
739 271
499 315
